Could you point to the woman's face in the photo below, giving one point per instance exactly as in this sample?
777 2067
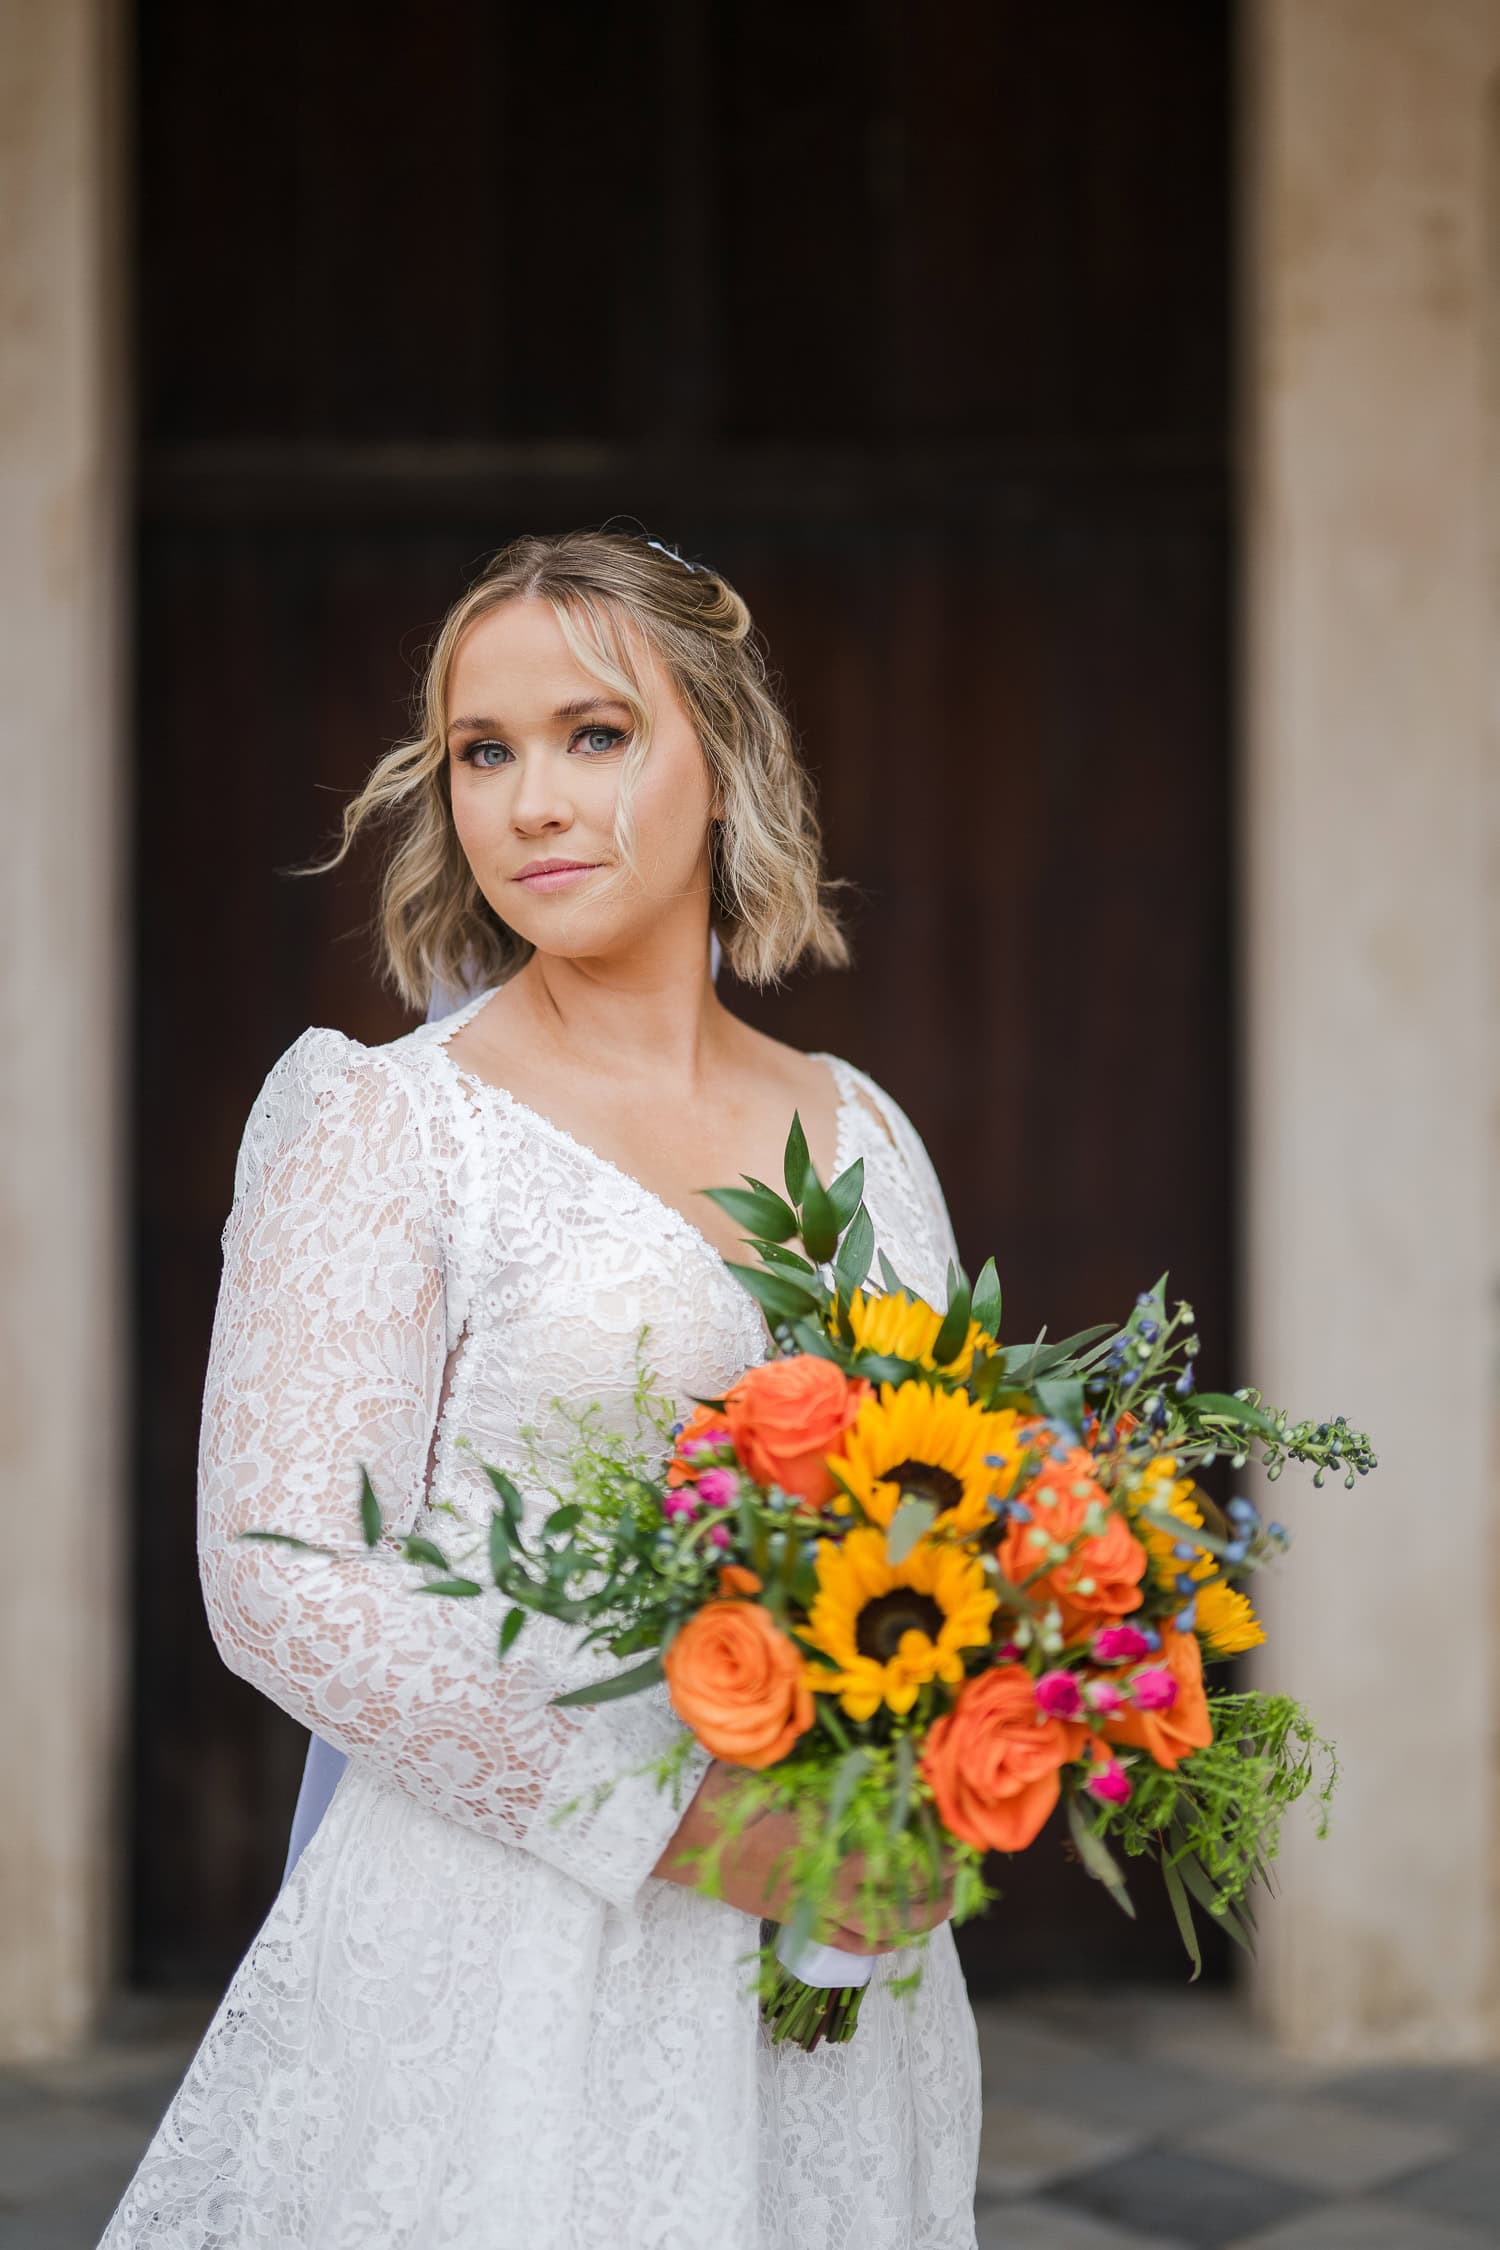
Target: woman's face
535 747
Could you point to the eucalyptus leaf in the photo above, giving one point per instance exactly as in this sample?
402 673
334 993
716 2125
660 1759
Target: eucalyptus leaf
622 1683
820 1226
514 1620
895 1286
845 1192
419 1550
1097 1857
911 1522
285 1539
906 1761
796 1164
563 1519
986 1305
1061 1397
1184 1914
950 1337
1222 1406
757 1210
779 1296
852 1262
847 1776
510 1498
369 1510
462 1589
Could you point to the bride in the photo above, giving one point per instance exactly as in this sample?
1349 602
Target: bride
467 2024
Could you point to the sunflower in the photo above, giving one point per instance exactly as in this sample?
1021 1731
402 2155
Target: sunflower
1225 1618
907 1328
909 1437
889 1627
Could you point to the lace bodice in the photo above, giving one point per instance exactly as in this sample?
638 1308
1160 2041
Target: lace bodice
467 2024
416 1266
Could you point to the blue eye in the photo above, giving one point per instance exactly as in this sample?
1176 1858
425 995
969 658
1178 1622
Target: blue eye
490 756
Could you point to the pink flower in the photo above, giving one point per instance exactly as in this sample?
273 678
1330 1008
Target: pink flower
1057 1694
1009 1652
691 1447
1103 1695
681 1500
719 1534
717 1487
1120 1644
1154 1690
1111 1782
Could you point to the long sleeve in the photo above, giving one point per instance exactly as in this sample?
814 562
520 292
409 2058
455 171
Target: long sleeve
328 1354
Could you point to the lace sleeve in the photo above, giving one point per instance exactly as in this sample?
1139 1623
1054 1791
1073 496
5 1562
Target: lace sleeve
329 1351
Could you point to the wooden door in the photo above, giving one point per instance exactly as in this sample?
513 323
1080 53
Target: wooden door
914 321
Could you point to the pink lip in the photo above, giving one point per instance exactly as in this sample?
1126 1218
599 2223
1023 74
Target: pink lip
555 878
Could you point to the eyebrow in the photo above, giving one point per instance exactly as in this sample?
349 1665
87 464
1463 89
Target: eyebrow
577 709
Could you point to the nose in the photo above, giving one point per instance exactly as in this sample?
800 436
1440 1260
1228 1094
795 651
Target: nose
540 799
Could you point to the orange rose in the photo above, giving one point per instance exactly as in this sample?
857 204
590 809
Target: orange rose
703 1422
786 1415
1173 1734
737 1681
1101 1578
992 1760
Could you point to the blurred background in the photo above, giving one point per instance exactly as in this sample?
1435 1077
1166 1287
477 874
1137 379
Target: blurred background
1099 408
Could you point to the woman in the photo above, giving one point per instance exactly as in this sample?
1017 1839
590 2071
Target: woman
467 2022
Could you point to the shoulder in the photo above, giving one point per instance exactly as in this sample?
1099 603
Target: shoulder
888 1111
328 1098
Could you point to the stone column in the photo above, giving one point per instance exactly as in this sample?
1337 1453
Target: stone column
63 439
1368 798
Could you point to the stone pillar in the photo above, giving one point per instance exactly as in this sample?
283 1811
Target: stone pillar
63 440
1368 445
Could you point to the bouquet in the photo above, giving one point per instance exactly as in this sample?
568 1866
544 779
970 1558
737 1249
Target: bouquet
918 1587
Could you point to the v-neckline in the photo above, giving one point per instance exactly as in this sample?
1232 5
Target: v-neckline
839 1070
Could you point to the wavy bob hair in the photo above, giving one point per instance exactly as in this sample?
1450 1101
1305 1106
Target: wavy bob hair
768 896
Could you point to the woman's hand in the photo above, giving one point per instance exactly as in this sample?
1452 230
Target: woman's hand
748 1860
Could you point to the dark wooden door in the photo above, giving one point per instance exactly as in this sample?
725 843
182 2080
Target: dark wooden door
914 321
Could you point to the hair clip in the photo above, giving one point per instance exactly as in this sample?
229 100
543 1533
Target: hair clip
673 556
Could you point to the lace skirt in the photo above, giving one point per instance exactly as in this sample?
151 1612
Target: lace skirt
439 2042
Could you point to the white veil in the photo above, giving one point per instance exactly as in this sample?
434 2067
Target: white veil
320 1774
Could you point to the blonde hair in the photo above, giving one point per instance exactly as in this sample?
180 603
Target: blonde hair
768 895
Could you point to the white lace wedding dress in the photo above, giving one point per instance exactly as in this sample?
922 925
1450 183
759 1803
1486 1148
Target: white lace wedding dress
463 2025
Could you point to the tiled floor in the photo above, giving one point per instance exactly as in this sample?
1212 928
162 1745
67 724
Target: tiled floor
1150 2120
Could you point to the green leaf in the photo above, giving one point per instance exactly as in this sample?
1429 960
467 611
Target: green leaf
912 1520
1097 1857
820 1226
950 1337
854 1254
847 1775
514 1620
285 1539
1061 1397
417 1549
882 1367
813 1339
777 1294
1069 1347
1221 1405
460 1588
796 1164
510 1498
563 1519
895 1286
986 1305
500 1542
906 1760
1184 1913
369 1510
622 1683
845 1192
757 1210
792 1261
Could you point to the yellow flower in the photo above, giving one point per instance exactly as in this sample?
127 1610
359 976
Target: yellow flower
888 1627
1226 1621
1225 1618
907 1327
910 1437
